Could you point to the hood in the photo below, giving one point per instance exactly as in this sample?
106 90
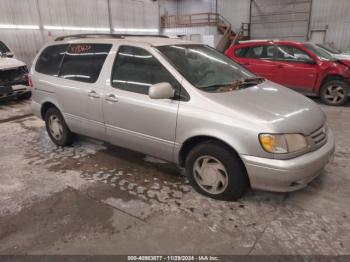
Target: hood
9 63
272 106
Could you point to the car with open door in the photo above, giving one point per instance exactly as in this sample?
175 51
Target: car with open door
304 67
185 103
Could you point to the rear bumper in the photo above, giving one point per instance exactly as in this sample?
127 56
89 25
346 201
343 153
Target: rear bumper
288 175
15 91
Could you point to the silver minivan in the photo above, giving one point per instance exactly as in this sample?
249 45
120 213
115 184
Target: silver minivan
185 103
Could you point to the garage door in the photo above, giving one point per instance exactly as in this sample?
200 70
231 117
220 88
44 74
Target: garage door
280 19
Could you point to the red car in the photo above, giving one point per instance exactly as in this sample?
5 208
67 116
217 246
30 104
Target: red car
303 67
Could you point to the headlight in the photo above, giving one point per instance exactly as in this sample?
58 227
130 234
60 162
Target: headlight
282 144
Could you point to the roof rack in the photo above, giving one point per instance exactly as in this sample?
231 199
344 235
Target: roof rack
116 36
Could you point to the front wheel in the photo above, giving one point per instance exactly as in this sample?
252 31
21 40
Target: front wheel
213 170
335 93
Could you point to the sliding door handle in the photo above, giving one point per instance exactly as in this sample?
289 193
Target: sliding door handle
93 94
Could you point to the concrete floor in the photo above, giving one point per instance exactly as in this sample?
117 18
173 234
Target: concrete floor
93 198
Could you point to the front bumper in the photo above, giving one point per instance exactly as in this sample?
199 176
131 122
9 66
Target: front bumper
288 175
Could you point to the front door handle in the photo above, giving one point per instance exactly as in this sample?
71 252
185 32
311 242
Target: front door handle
93 94
111 98
280 66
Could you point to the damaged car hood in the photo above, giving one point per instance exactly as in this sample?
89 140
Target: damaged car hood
10 63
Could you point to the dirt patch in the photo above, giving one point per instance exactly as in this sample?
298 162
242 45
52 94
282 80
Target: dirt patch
59 217
129 174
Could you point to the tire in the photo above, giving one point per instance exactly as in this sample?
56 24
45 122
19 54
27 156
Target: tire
25 96
335 93
57 128
208 154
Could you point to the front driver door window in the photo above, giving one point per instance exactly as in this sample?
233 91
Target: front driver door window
133 119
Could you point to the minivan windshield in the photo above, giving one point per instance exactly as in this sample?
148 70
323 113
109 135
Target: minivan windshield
207 69
319 52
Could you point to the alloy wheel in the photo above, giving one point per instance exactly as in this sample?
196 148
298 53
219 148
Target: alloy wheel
334 94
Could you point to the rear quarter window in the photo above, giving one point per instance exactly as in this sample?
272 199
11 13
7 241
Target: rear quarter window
50 60
83 62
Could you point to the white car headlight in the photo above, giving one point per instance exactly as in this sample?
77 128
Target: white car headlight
283 143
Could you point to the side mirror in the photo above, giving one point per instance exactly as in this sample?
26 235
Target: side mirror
9 54
161 91
308 60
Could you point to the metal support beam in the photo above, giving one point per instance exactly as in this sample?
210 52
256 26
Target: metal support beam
110 21
37 5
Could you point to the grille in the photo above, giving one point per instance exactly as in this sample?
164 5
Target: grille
319 137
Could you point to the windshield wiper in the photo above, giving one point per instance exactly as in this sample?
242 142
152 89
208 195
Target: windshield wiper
254 79
235 85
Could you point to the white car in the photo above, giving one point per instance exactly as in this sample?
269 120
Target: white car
13 75
334 52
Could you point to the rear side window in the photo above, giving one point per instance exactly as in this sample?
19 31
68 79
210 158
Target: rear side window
83 62
241 52
261 52
50 60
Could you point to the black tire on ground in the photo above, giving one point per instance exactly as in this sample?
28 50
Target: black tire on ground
67 137
236 173
340 94
25 96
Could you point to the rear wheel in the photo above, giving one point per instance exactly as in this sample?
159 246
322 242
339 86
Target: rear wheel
335 93
213 170
57 128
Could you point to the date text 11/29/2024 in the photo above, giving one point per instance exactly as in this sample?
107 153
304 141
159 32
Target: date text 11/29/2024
173 258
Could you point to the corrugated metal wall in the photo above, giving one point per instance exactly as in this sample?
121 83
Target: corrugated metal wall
195 6
236 12
24 43
270 18
334 18
283 19
74 14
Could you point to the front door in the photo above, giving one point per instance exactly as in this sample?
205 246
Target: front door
134 120
295 68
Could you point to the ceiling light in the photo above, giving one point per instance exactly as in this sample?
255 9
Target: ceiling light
154 30
75 28
11 26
